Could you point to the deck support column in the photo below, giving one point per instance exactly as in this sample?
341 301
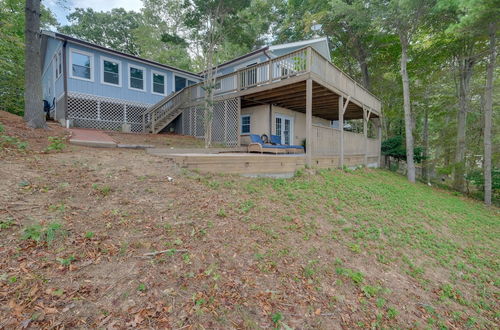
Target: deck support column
341 127
365 134
309 122
379 137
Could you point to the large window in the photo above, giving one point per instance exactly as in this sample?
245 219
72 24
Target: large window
82 65
58 63
136 78
110 72
158 83
245 124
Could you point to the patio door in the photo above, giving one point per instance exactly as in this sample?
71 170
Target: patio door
284 129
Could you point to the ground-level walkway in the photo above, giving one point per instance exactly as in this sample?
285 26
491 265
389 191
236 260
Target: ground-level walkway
91 138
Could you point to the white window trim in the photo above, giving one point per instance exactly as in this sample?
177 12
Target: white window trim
57 64
143 77
74 50
241 124
153 72
292 124
103 58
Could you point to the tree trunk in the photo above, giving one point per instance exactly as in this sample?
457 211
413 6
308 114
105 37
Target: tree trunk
488 114
362 58
465 74
410 164
366 75
33 109
425 165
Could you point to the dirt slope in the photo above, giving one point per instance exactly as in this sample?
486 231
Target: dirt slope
327 250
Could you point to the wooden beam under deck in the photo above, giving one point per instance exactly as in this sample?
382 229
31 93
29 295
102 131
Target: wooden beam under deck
293 96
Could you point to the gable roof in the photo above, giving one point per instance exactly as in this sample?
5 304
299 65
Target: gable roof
65 37
320 44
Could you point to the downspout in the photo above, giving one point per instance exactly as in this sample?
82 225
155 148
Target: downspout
65 84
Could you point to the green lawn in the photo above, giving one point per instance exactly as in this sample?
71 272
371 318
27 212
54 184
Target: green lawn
446 243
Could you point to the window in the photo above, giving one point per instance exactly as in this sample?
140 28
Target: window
180 83
136 78
158 83
218 85
110 72
245 124
58 63
82 64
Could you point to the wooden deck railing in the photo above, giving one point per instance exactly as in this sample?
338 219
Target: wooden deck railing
298 62
327 143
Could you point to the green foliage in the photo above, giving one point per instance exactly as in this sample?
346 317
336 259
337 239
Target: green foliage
104 190
7 141
66 261
141 287
394 147
12 53
113 29
477 179
43 233
56 144
276 318
6 224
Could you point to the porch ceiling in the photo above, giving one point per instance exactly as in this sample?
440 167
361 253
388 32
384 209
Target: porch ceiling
325 102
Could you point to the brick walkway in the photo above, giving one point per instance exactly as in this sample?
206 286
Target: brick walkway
91 138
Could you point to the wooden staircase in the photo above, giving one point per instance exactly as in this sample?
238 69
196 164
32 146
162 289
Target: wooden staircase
158 116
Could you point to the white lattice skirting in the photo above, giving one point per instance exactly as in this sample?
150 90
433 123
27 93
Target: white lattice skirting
225 122
106 113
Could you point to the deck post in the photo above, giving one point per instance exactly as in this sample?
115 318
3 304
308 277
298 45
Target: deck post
379 136
341 127
365 134
309 122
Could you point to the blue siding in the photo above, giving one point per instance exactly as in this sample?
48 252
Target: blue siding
50 88
95 87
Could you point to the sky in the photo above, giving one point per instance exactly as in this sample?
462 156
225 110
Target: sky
61 8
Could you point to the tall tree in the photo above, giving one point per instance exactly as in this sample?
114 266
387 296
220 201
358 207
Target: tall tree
404 18
349 23
12 24
113 29
208 20
488 112
473 22
162 34
33 110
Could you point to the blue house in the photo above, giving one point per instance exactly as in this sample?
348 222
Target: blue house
97 87
291 92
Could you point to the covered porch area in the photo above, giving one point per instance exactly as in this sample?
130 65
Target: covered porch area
338 129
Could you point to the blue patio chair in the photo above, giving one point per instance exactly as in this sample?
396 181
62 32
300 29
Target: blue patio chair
295 149
257 145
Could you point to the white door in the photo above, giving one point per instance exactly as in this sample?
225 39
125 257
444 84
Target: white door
284 129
